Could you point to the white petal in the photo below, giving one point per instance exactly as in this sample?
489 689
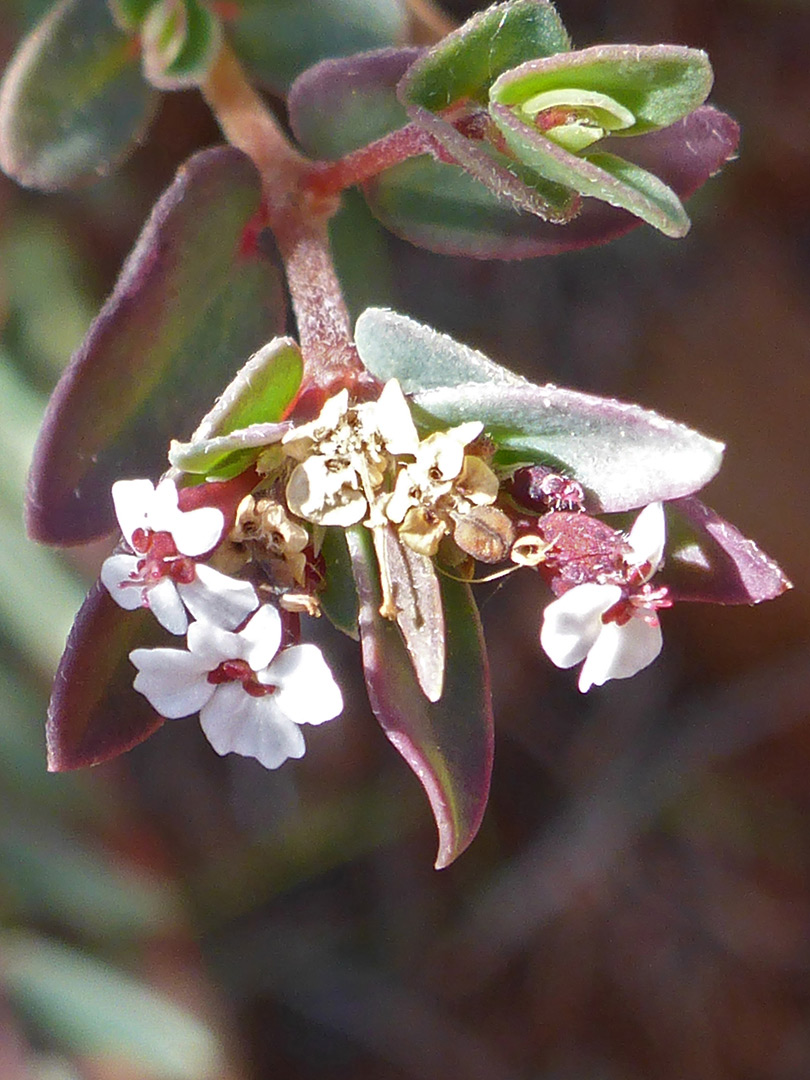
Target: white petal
197 531
307 692
217 598
261 637
133 501
163 508
648 536
211 644
173 680
572 623
116 578
167 607
235 722
620 651
393 420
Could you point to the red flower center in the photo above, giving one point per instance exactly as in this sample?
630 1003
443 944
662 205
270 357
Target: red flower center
239 671
160 559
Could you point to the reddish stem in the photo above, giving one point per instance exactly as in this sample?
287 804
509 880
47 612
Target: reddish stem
298 218
331 177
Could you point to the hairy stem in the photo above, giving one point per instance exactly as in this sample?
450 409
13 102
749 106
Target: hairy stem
298 218
330 177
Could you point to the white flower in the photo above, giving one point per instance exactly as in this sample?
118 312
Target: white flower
344 453
163 574
613 628
251 698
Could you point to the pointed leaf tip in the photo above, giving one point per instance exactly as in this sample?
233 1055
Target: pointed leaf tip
448 744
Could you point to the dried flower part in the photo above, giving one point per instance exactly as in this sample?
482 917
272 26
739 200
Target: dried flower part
530 550
422 530
265 523
440 489
486 533
344 454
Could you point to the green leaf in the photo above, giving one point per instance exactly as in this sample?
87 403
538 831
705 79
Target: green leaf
339 598
392 346
624 455
190 304
467 62
278 39
181 40
72 101
129 14
598 175
244 419
448 743
657 83
93 1009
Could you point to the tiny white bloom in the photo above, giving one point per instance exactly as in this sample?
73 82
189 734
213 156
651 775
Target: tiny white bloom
251 698
163 574
575 626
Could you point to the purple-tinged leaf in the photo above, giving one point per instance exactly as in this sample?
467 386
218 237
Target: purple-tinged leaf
194 298
72 100
340 105
507 178
598 175
708 559
624 456
94 713
449 743
466 63
416 597
441 208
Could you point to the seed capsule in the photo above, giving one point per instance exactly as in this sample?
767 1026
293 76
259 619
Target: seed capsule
486 533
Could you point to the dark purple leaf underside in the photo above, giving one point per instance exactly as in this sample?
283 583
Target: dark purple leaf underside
94 713
194 299
708 559
449 743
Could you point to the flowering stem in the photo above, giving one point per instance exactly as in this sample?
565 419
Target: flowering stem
298 218
331 177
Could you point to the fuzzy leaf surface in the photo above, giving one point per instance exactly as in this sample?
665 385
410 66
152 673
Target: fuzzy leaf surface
448 743
659 84
466 63
394 346
94 713
190 304
444 209
73 101
245 418
598 175
709 559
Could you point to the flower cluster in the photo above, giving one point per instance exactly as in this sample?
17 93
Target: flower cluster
362 463
252 694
